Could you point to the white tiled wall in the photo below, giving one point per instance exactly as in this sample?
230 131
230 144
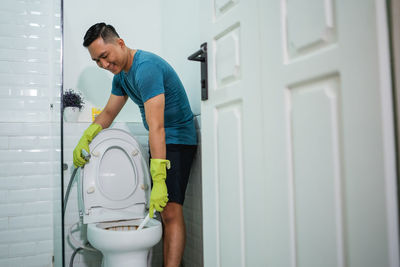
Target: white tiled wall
29 130
192 211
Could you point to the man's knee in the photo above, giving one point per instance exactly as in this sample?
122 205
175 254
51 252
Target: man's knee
172 212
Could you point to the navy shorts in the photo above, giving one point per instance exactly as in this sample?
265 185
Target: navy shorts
181 158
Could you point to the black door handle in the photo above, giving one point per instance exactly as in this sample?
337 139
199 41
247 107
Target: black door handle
201 55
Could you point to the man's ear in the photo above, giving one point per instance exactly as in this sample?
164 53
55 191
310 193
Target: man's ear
121 42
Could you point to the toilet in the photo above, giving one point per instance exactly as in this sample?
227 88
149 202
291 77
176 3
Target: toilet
114 193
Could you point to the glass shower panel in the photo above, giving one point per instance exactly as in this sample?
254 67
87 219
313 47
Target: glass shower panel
30 165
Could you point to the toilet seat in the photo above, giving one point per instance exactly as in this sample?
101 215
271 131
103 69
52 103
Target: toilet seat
115 183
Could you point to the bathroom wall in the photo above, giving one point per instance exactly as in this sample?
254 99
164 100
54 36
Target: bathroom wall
180 39
29 132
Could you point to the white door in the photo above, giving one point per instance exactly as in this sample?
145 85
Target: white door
297 135
232 148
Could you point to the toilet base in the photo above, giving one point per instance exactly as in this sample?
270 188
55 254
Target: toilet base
126 259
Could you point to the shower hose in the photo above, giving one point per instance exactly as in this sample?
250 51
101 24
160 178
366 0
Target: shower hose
76 243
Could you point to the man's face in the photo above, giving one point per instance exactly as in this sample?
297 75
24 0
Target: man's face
108 55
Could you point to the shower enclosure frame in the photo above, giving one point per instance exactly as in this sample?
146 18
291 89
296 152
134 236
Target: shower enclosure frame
62 133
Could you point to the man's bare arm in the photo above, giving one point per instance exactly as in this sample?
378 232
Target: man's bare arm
111 110
154 111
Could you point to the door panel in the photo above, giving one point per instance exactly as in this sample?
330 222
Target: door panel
325 150
231 135
230 183
308 26
315 181
298 169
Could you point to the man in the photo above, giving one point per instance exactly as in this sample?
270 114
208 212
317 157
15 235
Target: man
154 86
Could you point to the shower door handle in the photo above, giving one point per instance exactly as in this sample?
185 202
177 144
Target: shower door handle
201 55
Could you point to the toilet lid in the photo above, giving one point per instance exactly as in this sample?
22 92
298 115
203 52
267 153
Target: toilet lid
115 182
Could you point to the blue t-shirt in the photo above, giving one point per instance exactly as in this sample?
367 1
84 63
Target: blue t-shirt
150 76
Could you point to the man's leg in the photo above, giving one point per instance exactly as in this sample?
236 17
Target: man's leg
174 234
181 158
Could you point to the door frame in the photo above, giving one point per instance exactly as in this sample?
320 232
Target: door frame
388 42
393 10
394 35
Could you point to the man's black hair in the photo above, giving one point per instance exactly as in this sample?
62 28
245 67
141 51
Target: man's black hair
107 32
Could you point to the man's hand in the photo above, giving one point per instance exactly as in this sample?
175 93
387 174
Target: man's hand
83 143
102 121
159 192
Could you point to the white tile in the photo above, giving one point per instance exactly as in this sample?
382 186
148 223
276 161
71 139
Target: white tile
75 128
7 183
22 249
22 196
24 155
23 55
5 91
37 103
44 220
14 7
11 129
21 222
38 234
3 224
9 90
7 210
26 235
46 194
55 129
25 168
26 116
39 207
24 182
41 260
26 67
11 237
70 143
5 262
15 262
3 252
36 155
3 142
11 103
3 196
31 221
56 183
31 142
44 247
37 129
16 42
16 79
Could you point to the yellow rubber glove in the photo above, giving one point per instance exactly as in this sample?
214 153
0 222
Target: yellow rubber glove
83 143
159 192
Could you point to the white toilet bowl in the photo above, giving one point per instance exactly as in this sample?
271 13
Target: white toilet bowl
114 196
121 245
